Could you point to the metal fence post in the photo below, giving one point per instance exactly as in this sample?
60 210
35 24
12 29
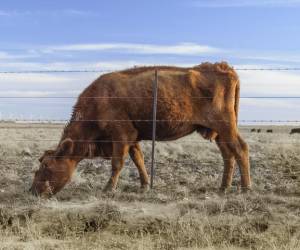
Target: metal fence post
155 86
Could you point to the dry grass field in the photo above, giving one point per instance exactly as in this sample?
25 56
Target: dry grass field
184 211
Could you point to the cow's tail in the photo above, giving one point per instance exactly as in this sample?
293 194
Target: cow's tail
237 100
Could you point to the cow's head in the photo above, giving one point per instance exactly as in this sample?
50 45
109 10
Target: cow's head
56 168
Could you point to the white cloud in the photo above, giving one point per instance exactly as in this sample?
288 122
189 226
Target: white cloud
15 13
178 49
99 65
4 13
26 84
74 12
182 49
7 80
268 56
32 93
245 3
271 103
270 83
23 55
63 12
4 55
269 109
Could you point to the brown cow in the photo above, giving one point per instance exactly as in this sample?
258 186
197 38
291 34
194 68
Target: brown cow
114 114
295 131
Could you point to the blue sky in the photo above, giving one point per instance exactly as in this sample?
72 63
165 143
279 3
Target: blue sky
108 35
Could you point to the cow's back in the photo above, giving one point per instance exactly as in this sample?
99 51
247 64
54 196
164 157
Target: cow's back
184 96
127 95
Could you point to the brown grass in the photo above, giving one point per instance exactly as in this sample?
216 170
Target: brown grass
184 211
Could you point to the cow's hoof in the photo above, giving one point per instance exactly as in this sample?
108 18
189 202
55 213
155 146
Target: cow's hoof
109 188
145 188
224 190
246 190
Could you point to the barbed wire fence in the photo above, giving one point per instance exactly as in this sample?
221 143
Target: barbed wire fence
155 100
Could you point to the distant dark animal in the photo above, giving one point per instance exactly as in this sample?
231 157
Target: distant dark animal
269 130
295 131
253 130
259 130
114 114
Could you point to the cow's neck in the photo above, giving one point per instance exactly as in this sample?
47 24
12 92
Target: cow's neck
84 146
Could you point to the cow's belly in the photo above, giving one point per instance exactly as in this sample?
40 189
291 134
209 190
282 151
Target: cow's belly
164 131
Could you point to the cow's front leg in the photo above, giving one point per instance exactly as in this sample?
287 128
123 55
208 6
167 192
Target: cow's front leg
120 152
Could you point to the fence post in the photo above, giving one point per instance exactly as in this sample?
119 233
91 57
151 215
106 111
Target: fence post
155 86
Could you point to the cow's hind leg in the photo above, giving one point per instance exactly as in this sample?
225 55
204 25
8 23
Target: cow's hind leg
239 149
229 161
120 152
137 156
242 157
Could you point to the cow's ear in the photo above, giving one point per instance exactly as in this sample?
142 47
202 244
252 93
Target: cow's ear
46 153
65 148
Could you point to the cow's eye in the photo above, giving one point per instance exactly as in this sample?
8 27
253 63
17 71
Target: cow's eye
46 174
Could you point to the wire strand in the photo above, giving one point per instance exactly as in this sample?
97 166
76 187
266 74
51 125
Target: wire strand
141 120
150 68
140 97
148 161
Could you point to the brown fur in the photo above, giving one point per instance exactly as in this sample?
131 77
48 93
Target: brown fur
114 114
295 131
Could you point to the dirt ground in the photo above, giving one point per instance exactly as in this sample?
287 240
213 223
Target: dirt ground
184 211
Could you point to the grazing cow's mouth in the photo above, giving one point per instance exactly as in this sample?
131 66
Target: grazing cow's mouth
45 191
